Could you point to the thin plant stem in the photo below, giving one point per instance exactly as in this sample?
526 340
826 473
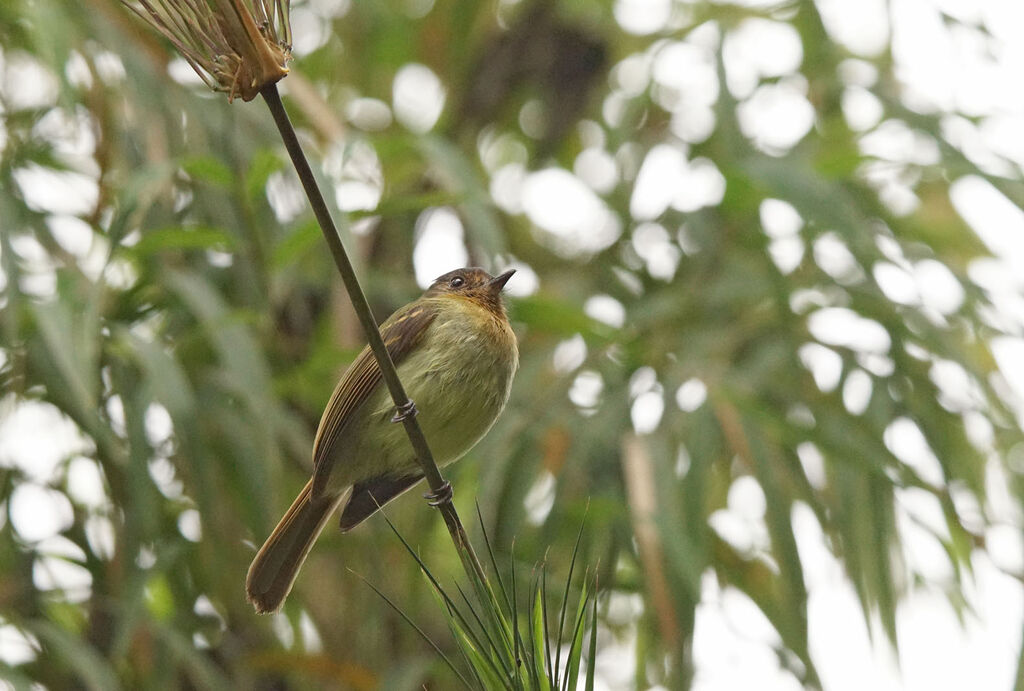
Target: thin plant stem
440 489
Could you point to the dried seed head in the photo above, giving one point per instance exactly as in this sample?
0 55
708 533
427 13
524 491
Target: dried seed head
235 46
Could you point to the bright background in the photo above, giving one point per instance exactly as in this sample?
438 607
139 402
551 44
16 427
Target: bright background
623 187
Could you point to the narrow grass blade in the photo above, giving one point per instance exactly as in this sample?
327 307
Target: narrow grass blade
490 555
552 674
538 633
565 600
592 656
420 631
519 648
469 642
452 608
492 645
573 659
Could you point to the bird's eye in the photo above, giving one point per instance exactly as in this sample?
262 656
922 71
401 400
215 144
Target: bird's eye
457 282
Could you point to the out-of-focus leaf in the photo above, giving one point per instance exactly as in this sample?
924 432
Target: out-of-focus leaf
554 316
482 222
316 667
166 377
245 368
89 667
202 671
17 679
72 337
791 618
240 349
263 164
302 239
208 169
154 241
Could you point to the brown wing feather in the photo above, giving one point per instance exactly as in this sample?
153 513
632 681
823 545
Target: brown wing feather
401 333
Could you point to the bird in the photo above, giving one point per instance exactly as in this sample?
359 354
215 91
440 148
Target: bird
456 354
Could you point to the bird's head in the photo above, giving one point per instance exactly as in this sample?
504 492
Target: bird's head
472 284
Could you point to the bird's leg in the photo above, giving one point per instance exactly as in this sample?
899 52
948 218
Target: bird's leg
444 494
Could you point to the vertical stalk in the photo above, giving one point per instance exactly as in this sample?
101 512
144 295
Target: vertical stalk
441 493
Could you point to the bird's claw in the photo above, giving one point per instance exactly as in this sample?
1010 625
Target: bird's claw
441 496
405 411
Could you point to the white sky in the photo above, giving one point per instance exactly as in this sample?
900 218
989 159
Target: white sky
941 70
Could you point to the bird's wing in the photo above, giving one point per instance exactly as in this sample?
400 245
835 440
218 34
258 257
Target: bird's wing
401 333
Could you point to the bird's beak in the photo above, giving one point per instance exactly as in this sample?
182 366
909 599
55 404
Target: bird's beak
498 282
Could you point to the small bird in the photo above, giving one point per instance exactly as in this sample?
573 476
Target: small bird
455 353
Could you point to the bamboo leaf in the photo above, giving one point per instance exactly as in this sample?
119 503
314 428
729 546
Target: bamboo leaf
89 667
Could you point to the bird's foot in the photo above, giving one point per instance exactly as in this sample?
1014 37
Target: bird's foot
441 496
405 411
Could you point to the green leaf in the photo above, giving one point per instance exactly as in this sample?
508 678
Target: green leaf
180 238
208 169
239 353
420 631
482 224
299 241
592 654
575 657
92 671
169 382
199 667
264 163
70 330
538 634
557 317
18 680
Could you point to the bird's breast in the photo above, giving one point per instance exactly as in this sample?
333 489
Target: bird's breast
460 378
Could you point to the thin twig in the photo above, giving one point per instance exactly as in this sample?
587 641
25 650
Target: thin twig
439 488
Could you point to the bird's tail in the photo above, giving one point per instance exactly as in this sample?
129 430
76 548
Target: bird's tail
276 565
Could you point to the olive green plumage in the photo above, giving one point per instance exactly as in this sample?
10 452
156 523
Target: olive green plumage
455 353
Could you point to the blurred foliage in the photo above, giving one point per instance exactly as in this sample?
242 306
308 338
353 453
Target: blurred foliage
195 335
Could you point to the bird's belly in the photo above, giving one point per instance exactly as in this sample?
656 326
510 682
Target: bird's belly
458 406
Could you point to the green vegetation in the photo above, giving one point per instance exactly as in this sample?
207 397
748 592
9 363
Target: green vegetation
805 320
